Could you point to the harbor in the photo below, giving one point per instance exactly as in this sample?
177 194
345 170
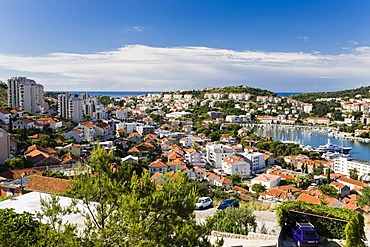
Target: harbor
314 137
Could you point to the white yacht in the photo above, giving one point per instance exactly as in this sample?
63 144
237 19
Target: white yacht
332 148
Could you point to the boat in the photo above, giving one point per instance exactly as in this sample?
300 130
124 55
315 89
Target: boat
332 148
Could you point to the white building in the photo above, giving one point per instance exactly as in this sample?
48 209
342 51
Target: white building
25 94
267 180
215 153
345 164
257 159
194 157
145 129
70 106
5 146
236 165
5 116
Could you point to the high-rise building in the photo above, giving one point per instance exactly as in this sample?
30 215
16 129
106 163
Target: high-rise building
25 94
70 106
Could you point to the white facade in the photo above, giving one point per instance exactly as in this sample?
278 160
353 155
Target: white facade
267 180
236 165
70 106
257 159
5 146
194 158
344 165
215 153
121 114
5 116
25 94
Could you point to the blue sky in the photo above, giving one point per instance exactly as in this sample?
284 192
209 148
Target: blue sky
280 45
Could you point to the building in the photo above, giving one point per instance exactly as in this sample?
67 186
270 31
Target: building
145 129
215 153
232 165
257 160
345 164
25 94
70 106
5 146
318 120
5 116
267 180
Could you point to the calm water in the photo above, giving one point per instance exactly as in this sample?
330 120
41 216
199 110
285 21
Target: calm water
314 139
115 94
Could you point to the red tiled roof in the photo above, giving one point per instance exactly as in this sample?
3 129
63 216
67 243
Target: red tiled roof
47 184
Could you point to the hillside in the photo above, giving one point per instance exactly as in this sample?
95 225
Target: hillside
229 90
3 95
351 93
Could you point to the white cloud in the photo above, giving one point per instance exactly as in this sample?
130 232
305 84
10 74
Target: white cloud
353 42
303 38
143 68
133 29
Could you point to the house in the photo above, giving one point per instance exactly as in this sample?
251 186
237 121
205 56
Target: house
199 172
186 142
157 166
42 156
5 116
210 177
103 131
343 190
352 184
215 153
177 164
318 120
223 182
130 158
47 184
193 157
257 160
135 137
267 180
72 148
88 130
232 165
23 123
75 134
69 160
280 193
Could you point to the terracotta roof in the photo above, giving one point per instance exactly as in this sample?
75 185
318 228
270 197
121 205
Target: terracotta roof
352 181
79 132
337 184
47 184
223 180
89 124
157 164
134 150
240 189
176 162
15 174
4 112
156 176
308 198
232 159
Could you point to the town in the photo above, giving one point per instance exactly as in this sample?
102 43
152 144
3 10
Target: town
206 136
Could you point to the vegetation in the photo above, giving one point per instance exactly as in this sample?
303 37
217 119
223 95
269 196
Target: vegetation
234 220
3 95
364 199
328 190
311 97
330 222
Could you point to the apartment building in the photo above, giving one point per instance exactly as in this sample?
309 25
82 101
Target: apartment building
215 154
345 164
25 94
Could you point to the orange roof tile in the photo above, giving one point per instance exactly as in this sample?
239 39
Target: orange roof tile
47 184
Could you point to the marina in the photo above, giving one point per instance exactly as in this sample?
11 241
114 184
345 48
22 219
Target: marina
314 137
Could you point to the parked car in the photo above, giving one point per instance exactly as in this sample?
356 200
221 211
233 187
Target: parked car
203 202
305 234
228 203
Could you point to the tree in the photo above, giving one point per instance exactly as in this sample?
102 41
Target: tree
128 210
235 178
15 163
328 190
353 173
364 199
258 188
18 229
233 220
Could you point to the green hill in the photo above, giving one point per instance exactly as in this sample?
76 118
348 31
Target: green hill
3 95
351 93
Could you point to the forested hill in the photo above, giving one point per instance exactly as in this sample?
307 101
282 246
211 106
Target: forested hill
351 93
3 95
229 90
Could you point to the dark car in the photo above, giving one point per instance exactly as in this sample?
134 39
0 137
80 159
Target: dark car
228 203
305 234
